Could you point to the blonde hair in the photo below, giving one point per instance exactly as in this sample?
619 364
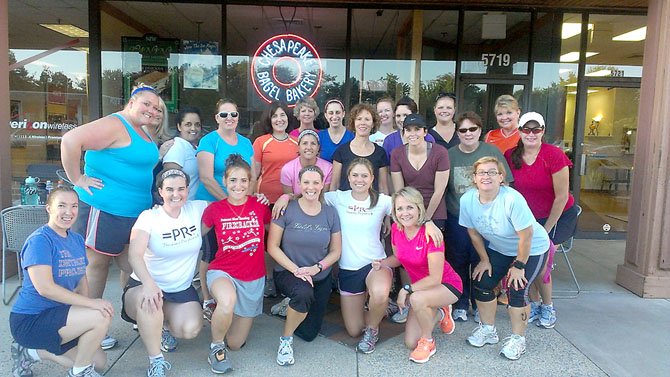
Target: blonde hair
506 101
307 101
488 159
413 196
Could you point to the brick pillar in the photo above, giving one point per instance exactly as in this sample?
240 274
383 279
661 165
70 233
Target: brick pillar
646 269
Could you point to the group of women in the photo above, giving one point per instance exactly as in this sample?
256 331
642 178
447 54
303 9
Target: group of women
320 214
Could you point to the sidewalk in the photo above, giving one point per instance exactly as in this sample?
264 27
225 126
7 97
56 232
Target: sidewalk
605 331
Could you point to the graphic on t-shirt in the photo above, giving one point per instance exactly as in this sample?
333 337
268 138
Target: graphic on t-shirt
182 232
70 266
486 225
462 178
310 227
359 210
240 234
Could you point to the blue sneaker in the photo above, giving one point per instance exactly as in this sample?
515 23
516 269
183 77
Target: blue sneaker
158 368
22 361
168 342
218 359
108 342
534 311
547 316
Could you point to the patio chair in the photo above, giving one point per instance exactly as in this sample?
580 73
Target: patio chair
564 249
18 223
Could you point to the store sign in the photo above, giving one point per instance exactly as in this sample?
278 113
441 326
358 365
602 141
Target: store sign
286 68
40 126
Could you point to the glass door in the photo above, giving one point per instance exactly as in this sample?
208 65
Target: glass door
606 168
480 96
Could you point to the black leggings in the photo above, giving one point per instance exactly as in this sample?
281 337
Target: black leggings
305 299
500 264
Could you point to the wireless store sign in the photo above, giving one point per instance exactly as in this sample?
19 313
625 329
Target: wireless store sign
286 68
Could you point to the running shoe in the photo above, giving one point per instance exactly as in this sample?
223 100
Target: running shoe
401 315
369 341
270 289
423 351
280 308
285 351
391 309
158 368
547 316
88 372
22 361
483 334
535 311
475 317
108 343
447 324
168 342
460 315
218 359
208 309
513 347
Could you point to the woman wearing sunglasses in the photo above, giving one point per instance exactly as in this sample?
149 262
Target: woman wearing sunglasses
214 149
444 130
541 174
517 248
461 254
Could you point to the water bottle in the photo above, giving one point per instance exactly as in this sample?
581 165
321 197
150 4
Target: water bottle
49 187
30 187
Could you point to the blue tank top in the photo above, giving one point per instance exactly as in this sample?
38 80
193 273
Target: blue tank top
126 173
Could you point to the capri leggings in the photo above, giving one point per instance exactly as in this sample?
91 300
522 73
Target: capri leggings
500 264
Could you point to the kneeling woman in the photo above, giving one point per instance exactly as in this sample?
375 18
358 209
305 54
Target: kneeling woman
236 276
164 248
53 317
434 287
305 242
517 248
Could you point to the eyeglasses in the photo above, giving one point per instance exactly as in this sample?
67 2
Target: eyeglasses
533 130
490 173
233 114
471 129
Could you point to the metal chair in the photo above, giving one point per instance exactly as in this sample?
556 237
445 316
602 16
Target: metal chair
18 223
564 249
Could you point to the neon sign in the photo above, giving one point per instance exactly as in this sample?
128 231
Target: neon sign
286 68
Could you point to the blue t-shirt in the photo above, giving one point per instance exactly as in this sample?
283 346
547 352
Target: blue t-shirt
328 147
126 172
65 255
214 144
499 220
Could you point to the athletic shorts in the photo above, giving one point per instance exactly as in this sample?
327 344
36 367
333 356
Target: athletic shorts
103 232
353 282
249 293
187 295
565 227
40 331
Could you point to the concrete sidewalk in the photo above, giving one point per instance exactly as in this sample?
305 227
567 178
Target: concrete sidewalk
606 330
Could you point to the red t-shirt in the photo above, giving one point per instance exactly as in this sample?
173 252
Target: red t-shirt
240 237
535 182
504 143
413 255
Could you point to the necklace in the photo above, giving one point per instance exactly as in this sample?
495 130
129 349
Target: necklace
238 215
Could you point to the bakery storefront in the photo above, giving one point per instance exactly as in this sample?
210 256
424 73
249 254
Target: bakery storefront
72 61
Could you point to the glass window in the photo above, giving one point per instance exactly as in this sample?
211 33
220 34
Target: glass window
438 58
381 62
495 43
48 84
615 45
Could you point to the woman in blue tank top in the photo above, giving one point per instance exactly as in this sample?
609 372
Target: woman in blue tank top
115 186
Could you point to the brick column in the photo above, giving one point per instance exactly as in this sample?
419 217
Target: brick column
5 152
646 269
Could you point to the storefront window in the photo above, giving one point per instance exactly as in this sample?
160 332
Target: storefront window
48 86
495 43
615 45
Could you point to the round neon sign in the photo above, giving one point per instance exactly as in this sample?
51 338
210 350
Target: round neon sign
286 68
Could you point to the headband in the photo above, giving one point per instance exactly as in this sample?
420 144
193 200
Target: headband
171 172
309 132
334 100
142 89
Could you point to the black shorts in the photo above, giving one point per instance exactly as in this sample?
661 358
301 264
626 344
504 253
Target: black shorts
565 227
40 331
103 232
453 290
352 282
187 295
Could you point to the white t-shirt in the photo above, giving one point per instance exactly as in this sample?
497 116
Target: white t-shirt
182 153
378 138
174 245
361 228
499 220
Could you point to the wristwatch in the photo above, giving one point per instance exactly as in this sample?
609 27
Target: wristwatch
519 264
408 288
319 266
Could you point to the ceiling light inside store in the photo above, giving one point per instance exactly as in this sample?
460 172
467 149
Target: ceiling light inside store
632 36
67 29
574 56
570 29
600 73
588 91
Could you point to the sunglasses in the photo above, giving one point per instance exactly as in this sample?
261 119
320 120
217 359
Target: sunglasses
443 94
529 130
233 114
471 129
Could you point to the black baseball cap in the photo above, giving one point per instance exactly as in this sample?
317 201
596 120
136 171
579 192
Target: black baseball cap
415 120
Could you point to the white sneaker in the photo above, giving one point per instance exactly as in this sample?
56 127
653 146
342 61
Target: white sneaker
514 347
108 343
280 308
460 315
483 334
401 315
285 352
547 316
476 316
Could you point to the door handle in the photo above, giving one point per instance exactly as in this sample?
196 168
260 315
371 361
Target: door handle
582 165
